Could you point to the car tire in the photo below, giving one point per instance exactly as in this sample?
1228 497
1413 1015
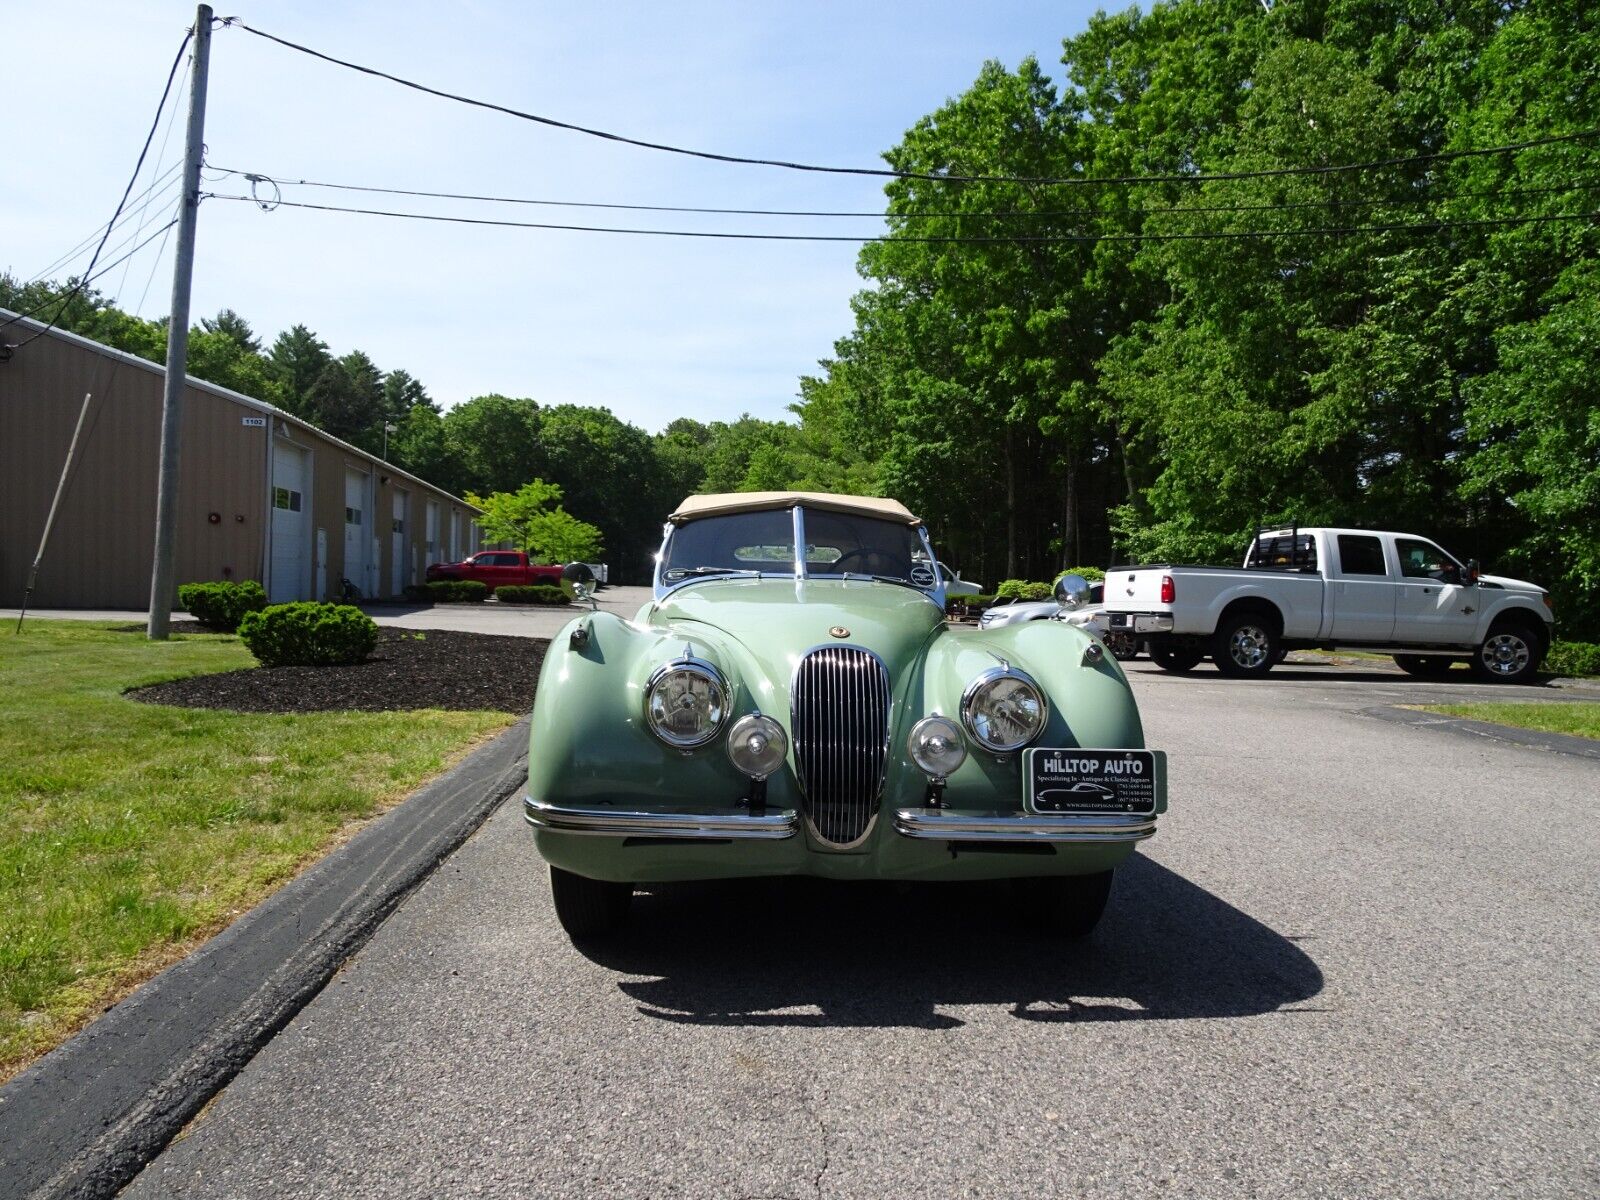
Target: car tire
1510 654
1124 647
1068 906
589 909
1246 645
1175 659
1424 666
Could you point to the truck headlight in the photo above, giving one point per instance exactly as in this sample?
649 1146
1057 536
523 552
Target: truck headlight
757 745
936 746
1004 709
686 703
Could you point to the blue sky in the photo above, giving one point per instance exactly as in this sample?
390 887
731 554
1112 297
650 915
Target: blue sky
651 328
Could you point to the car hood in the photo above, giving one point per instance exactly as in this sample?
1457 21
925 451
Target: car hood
773 623
1512 585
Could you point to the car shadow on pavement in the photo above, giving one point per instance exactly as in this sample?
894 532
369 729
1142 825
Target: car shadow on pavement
1314 673
807 952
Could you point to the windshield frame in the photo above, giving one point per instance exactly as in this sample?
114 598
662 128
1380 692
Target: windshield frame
800 570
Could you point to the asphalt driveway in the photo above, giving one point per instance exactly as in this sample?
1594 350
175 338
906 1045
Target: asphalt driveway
1358 960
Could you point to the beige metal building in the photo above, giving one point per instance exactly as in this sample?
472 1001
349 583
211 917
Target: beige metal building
261 494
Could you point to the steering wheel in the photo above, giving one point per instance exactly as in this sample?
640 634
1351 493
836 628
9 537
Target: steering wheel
860 552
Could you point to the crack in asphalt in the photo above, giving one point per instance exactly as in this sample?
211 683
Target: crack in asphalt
819 1112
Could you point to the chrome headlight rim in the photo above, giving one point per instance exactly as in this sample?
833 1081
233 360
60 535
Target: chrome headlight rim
915 739
775 735
713 677
970 695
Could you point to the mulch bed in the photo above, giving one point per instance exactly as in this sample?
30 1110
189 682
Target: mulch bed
409 669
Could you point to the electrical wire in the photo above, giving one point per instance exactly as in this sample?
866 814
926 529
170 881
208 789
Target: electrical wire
161 155
889 173
87 279
141 203
154 263
1209 235
260 177
66 301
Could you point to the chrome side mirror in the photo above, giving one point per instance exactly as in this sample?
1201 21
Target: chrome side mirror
1072 591
580 578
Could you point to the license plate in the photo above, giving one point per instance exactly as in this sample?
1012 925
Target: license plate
1093 781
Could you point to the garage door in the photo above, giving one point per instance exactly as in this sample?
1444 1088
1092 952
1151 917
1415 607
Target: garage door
291 550
355 532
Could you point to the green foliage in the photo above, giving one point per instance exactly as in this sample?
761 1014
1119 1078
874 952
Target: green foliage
457 591
537 593
221 606
309 634
1022 589
1573 658
530 519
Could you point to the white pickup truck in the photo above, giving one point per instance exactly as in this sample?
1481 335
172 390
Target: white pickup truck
1329 588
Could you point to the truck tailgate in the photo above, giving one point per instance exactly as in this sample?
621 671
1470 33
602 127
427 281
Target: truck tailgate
1136 589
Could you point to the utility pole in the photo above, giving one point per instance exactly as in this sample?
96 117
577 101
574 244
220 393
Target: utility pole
161 581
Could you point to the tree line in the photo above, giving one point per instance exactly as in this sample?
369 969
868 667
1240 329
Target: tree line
1102 373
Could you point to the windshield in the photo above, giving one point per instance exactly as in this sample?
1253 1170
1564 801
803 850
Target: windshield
836 544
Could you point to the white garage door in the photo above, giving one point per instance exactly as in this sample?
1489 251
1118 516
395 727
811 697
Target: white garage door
291 551
355 530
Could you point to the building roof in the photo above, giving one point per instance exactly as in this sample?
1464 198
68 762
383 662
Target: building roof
718 503
203 385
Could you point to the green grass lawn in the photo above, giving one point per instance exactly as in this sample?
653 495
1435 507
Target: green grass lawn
129 832
1581 719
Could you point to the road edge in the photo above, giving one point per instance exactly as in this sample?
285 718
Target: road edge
85 1119
1528 739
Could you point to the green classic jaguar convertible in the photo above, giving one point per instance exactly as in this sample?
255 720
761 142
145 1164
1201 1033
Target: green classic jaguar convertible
791 702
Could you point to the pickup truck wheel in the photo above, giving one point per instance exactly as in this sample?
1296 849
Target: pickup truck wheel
1067 906
1424 666
1246 646
1173 659
1510 654
589 909
1124 647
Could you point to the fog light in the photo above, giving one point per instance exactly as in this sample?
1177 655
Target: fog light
757 745
936 745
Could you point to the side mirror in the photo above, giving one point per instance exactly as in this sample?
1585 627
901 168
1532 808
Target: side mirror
1472 572
580 578
1072 591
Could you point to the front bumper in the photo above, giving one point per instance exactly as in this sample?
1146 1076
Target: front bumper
1121 622
959 825
722 826
926 824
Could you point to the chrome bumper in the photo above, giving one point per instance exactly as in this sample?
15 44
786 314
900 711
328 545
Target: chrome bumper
1142 623
956 825
597 822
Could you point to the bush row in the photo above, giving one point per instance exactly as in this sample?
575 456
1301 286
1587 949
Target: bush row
1573 658
309 634
448 591
536 593
1022 589
221 606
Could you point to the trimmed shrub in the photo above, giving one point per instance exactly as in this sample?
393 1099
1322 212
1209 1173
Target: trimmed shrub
457 591
221 606
1573 658
308 634
535 593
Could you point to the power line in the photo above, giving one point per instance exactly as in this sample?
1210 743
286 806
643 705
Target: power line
161 155
87 279
257 177
149 137
889 173
141 203
1210 235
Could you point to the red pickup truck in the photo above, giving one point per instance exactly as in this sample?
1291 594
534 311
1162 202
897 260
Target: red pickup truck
497 568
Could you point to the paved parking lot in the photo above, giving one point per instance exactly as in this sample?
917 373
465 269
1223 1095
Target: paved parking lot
1358 960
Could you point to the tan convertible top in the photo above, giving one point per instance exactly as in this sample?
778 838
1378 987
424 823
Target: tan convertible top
732 502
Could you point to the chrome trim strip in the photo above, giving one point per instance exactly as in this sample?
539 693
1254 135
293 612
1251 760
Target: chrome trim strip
718 826
798 524
961 825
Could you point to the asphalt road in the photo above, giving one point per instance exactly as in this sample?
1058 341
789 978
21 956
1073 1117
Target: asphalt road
1359 959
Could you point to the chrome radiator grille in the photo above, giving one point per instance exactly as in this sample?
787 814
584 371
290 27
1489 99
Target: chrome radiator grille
840 720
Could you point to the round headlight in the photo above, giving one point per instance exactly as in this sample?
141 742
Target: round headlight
757 745
1004 710
686 704
936 745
